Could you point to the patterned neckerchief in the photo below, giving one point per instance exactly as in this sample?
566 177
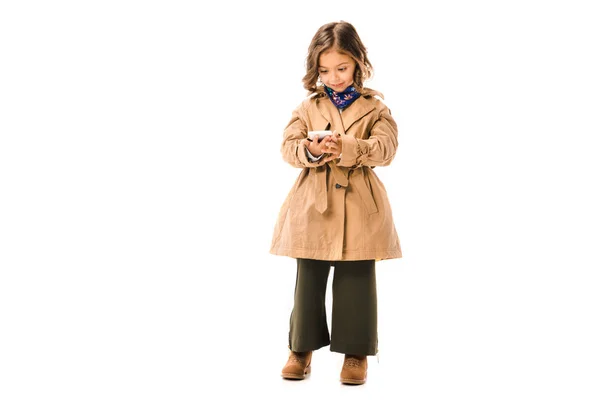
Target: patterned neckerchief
342 99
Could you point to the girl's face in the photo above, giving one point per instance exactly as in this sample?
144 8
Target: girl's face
336 70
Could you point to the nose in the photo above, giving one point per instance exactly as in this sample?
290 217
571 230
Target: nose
335 78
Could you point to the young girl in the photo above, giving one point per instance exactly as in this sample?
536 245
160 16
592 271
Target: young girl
337 213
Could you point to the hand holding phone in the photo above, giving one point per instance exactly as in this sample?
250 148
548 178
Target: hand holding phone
318 134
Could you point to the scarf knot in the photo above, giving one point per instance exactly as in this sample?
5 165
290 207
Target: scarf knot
342 99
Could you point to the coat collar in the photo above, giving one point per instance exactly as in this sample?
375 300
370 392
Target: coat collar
358 109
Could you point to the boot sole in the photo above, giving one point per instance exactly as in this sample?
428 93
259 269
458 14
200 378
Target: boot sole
349 381
297 377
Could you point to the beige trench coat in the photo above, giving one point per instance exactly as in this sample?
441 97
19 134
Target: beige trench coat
339 210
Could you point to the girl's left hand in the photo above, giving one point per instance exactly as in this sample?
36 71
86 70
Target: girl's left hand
333 145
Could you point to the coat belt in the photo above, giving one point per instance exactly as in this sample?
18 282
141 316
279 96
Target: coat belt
341 178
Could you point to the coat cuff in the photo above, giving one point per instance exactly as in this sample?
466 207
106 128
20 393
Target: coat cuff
350 151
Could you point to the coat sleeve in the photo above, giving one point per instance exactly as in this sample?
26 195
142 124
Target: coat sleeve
378 150
292 148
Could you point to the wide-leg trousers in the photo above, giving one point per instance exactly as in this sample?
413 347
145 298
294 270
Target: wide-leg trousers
353 309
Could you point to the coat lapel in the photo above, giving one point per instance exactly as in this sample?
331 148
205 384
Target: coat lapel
358 109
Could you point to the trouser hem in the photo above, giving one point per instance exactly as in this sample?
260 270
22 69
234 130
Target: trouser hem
355 349
302 347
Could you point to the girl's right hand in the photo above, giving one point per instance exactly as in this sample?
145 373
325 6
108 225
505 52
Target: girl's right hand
316 147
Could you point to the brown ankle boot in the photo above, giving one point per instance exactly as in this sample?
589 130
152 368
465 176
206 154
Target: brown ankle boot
354 371
297 366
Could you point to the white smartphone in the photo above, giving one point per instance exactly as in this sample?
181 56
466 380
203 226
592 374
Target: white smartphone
319 134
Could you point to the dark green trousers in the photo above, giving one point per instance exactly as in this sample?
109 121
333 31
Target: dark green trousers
353 313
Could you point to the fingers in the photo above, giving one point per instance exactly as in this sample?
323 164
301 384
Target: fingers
329 138
332 156
335 136
310 145
331 146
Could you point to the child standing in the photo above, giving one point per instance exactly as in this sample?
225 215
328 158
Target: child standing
337 213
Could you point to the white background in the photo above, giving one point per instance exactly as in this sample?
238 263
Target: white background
140 180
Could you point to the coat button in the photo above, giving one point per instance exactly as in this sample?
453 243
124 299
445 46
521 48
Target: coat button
337 186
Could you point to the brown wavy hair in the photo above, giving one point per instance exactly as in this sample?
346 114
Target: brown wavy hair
342 37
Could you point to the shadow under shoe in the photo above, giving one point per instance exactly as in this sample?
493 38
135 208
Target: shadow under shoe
297 366
354 371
